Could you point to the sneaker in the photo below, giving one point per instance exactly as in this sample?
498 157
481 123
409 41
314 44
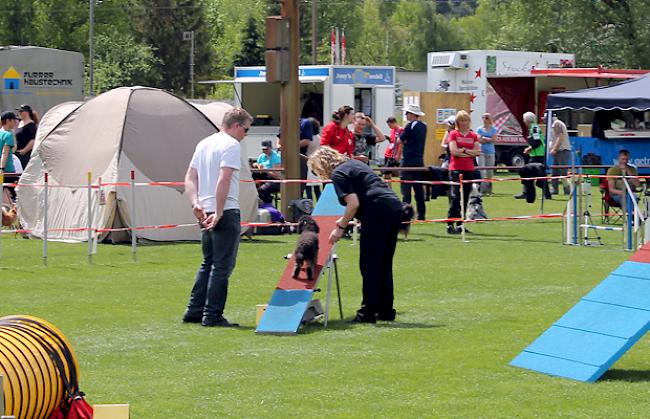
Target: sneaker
219 322
364 318
460 230
520 196
452 230
189 318
386 316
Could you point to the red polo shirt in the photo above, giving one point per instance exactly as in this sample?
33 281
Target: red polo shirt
462 141
340 139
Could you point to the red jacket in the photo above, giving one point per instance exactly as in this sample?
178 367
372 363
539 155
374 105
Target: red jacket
340 139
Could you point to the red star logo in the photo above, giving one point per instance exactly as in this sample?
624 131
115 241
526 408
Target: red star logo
477 74
472 96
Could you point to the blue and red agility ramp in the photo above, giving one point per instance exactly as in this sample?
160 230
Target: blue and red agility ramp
596 332
291 297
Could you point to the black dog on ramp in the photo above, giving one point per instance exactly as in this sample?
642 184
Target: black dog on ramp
407 216
307 247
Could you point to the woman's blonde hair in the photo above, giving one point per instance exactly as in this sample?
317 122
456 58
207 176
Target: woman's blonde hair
324 160
462 115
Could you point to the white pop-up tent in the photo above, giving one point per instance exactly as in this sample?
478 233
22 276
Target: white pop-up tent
149 131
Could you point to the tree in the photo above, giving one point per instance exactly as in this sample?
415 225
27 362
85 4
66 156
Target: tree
120 61
371 48
61 24
160 24
615 33
17 22
415 30
252 51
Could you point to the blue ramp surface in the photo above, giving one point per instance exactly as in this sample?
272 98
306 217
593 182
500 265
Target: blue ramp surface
596 332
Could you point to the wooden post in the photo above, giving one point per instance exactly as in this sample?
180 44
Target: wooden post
289 112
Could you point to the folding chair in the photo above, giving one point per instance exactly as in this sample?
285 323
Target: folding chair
611 211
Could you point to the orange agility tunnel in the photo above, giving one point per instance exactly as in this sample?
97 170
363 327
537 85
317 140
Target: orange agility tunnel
37 365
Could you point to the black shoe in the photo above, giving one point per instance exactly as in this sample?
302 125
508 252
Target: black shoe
452 230
460 230
188 318
520 196
364 318
547 197
220 322
386 316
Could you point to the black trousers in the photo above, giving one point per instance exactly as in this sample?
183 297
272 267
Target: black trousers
379 228
267 190
454 205
418 189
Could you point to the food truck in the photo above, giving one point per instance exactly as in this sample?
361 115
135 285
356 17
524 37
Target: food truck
502 83
39 77
323 89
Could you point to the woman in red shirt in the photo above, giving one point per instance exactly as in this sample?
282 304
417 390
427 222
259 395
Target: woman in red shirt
336 134
464 146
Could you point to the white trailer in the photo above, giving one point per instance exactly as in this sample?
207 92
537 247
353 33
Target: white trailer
324 88
499 82
39 77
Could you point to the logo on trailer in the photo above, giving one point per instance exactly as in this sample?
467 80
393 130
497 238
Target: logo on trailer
11 79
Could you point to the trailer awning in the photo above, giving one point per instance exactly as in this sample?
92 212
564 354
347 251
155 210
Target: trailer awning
595 73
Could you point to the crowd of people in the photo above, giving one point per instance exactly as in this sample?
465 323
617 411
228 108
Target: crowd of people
355 135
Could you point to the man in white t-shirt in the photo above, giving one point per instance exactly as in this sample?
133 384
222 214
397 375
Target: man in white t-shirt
212 185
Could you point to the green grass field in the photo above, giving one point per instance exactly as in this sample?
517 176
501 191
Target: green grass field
464 311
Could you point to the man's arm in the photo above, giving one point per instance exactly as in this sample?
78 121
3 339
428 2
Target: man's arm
380 135
4 158
223 187
192 192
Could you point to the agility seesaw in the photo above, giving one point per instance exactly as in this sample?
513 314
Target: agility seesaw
596 332
291 297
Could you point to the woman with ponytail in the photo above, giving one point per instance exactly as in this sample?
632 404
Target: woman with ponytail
336 134
26 133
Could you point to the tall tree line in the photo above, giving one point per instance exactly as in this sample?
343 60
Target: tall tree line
141 41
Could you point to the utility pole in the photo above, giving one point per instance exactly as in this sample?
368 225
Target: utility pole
289 113
314 30
189 36
91 53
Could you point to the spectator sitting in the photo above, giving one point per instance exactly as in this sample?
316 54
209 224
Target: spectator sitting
269 159
622 168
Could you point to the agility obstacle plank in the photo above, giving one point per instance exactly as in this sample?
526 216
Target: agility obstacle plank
596 332
291 297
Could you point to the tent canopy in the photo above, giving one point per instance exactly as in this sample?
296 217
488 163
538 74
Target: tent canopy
148 131
628 95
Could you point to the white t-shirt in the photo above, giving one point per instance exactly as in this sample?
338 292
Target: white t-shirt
211 154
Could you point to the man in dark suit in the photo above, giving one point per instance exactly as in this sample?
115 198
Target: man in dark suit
413 139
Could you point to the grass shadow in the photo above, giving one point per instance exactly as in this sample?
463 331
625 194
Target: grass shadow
406 325
632 376
346 325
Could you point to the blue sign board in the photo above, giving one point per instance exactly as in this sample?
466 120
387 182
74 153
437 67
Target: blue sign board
608 150
261 72
364 75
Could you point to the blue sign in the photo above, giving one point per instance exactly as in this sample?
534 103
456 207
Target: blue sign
364 75
261 72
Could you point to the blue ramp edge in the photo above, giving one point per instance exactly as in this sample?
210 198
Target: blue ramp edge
328 203
284 312
596 332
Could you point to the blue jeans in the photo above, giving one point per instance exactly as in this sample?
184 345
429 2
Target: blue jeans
219 254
